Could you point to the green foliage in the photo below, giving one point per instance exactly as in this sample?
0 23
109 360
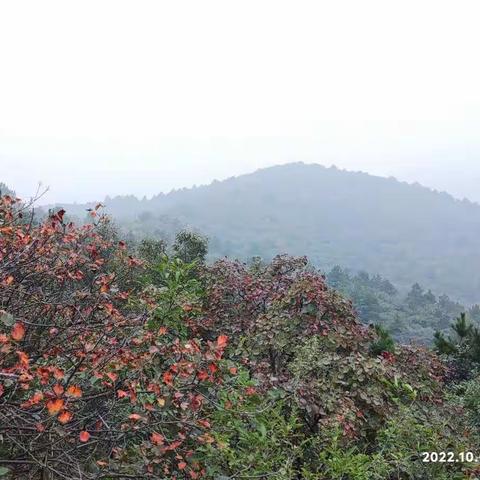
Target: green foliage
462 328
335 461
443 345
384 342
186 370
190 246
173 286
152 250
411 316
463 349
407 233
413 430
255 435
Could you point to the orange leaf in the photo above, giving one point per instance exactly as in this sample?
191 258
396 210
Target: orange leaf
162 330
134 416
9 280
157 439
182 465
23 357
74 391
112 376
222 341
37 397
18 331
122 394
57 373
204 423
58 389
84 436
65 417
54 406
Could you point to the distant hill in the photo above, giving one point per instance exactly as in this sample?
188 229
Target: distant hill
405 232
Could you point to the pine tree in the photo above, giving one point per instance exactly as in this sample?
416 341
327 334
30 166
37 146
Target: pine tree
462 327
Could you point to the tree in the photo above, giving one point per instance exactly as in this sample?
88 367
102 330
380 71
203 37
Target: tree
94 383
463 349
190 246
152 251
415 297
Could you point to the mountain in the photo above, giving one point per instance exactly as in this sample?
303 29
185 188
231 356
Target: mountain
405 232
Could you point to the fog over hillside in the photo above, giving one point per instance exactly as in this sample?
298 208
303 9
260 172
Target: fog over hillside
406 232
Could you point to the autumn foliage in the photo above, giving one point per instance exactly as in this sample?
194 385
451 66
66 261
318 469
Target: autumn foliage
86 388
113 366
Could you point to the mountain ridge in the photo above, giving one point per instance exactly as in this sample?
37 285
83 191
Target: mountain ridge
406 232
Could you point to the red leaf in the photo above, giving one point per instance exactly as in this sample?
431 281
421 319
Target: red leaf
222 341
157 439
58 389
60 215
84 436
18 331
167 378
122 394
40 427
37 397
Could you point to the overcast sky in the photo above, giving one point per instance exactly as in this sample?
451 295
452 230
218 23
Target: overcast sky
110 97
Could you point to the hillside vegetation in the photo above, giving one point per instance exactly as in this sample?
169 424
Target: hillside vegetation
147 363
406 233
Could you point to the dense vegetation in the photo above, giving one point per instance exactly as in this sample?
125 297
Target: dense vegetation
413 315
406 233
151 363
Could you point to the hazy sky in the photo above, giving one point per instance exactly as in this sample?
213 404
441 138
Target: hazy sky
109 96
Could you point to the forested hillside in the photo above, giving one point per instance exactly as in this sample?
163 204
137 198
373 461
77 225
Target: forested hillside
406 233
145 362
411 316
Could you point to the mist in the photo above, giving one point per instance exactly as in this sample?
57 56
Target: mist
178 95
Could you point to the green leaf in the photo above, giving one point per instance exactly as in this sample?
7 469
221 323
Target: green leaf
4 471
6 318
